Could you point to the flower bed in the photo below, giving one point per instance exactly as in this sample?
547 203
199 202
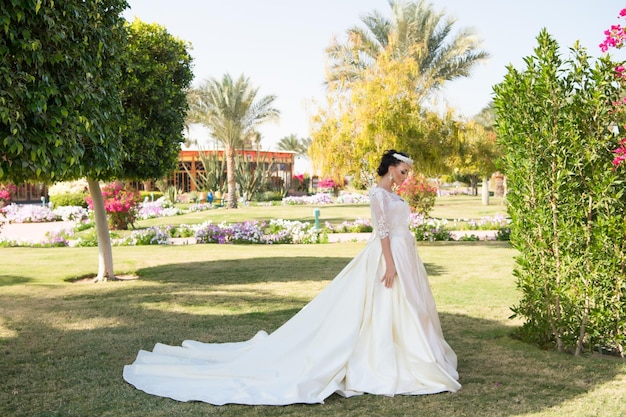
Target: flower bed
14 213
315 199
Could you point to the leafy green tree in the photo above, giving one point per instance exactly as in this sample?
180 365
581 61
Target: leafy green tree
415 30
65 89
231 110
60 108
156 71
566 201
59 97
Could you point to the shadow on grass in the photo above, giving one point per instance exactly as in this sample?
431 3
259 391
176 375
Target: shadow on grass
8 280
255 270
74 336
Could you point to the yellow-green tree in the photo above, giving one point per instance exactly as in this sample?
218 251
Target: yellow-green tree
381 111
474 152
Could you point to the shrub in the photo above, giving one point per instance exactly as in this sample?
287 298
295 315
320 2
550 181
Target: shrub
69 199
150 236
469 238
161 207
429 229
566 199
120 205
357 226
7 191
503 234
71 213
419 194
29 213
268 196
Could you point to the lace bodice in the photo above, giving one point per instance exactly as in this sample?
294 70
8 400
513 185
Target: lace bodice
390 213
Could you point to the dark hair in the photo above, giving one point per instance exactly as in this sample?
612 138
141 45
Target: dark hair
389 160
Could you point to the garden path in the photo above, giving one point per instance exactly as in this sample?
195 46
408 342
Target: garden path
32 232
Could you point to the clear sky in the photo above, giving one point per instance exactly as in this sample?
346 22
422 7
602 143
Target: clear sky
279 44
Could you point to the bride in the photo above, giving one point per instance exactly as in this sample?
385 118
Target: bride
374 329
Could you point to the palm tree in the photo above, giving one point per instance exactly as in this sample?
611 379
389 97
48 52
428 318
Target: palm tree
295 144
415 30
231 111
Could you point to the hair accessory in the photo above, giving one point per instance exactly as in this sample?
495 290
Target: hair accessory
403 158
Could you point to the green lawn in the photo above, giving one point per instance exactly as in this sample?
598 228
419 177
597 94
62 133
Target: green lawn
333 213
448 207
64 343
467 207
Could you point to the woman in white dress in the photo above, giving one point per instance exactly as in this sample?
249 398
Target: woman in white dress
374 329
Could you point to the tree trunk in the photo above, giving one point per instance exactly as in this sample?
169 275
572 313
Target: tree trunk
485 190
498 185
474 184
105 253
230 177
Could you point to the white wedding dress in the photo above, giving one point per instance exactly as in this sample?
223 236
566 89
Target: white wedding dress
355 337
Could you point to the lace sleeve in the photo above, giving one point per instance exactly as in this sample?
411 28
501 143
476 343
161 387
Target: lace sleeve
378 208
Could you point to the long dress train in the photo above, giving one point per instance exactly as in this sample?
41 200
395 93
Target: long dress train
356 336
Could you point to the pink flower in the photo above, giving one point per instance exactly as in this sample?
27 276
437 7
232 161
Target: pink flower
620 153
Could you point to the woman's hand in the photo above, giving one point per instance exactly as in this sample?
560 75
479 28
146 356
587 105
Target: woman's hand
390 275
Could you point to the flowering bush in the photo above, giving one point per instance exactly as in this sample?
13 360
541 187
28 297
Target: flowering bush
28 213
278 231
299 232
58 239
357 226
429 229
327 184
353 198
315 199
71 213
212 233
489 223
182 230
615 37
620 153
7 191
246 232
161 207
419 194
199 207
299 182
120 205
150 236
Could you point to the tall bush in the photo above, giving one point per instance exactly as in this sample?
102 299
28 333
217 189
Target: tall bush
120 204
555 121
419 194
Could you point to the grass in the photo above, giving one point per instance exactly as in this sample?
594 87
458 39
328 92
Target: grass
467 207
334 214
64 343
448 207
